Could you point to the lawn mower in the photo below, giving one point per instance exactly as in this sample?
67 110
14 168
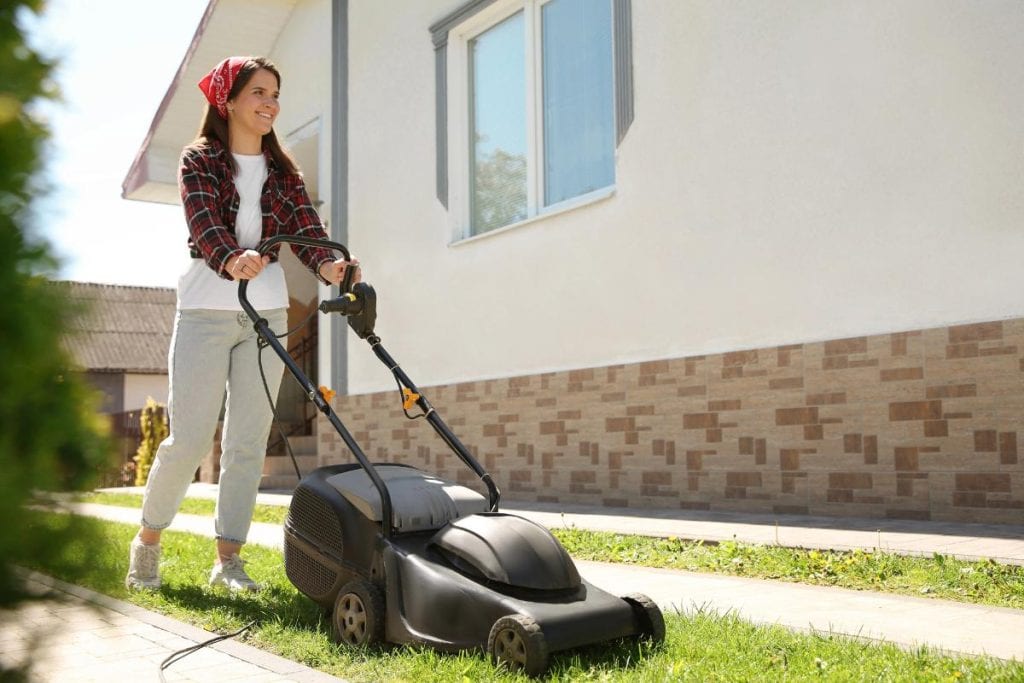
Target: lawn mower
398 555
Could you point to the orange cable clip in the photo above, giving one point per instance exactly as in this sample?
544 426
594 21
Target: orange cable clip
410 398
328 394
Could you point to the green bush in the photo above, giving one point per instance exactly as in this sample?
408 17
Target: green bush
51 435
153 424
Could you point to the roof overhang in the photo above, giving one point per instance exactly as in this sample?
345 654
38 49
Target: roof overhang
228 27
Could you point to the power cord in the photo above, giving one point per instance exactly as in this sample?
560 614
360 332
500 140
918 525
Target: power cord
262 344
273 410
402 389
299 326
180 654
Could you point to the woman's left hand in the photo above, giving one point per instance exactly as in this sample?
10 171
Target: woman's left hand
334 271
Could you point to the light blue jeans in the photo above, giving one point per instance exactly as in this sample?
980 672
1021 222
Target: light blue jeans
213 352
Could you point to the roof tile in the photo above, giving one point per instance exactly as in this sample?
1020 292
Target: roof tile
122 328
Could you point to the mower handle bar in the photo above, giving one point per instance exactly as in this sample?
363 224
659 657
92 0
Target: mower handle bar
313 393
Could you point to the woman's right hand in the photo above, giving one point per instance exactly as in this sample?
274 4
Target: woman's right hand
246 265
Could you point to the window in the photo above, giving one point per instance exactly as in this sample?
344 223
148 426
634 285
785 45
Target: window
497 126
535 107
577 103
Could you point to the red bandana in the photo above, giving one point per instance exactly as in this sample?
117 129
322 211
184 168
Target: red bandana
217 84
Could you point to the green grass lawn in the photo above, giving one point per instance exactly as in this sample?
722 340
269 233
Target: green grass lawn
699 646
984 582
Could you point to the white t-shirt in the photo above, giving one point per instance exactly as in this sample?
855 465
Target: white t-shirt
200 287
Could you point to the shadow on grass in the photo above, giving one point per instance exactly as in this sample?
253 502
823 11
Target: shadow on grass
618 655
273 604
609 660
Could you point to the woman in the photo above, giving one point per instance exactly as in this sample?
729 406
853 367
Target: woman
238 188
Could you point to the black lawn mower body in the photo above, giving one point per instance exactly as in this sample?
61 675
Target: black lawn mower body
399 555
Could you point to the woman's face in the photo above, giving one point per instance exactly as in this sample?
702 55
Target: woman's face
256 107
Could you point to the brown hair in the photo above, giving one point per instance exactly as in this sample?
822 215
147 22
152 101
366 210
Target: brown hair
213 127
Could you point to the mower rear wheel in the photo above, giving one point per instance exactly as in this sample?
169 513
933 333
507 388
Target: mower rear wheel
647 612
517 642
358 617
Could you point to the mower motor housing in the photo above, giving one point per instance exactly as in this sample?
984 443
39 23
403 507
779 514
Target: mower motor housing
450 571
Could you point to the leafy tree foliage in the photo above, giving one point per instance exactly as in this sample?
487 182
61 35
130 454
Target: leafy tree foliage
51 437
499 190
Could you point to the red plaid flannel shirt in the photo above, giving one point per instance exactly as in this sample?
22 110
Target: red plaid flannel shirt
206 179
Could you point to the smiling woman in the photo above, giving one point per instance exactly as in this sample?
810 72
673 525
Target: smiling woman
254 111
239 188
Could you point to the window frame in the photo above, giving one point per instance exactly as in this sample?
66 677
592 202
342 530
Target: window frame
451 37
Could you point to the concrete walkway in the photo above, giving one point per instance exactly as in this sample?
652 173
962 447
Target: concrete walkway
907 621
1001 542
78 635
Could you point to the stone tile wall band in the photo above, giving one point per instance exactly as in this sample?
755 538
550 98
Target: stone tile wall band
917 425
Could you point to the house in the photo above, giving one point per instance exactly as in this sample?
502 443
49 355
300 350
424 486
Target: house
756 256
119 338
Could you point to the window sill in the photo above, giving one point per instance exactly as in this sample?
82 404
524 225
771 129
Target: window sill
555 210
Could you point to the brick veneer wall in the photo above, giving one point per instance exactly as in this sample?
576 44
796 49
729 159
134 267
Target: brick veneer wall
919 425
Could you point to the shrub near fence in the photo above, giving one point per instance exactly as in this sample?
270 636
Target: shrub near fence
154 428
127 433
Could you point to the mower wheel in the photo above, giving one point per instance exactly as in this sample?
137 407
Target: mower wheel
517 642
648 614
358 617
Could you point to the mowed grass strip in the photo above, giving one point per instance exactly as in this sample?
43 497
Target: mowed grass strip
980 582
700 646
269 514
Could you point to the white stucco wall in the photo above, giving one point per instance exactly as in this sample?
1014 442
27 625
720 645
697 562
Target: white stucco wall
303 54
795 172
137 388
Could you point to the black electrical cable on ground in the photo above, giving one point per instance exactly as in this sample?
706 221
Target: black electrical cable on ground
175 656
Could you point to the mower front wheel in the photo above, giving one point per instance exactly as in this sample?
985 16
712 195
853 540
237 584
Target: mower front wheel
648 614
358 617
517 642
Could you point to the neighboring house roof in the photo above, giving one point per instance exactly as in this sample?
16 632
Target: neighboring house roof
122 328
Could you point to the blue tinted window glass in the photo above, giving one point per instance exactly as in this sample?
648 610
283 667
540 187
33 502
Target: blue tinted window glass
498 125
579 124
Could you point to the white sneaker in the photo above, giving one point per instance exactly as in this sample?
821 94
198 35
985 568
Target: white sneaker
231 574
143 566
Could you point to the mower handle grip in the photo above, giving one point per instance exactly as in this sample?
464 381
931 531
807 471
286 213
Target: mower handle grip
306 242
346 283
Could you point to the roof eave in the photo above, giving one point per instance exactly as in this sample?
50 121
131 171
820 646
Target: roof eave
138 184
228 27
